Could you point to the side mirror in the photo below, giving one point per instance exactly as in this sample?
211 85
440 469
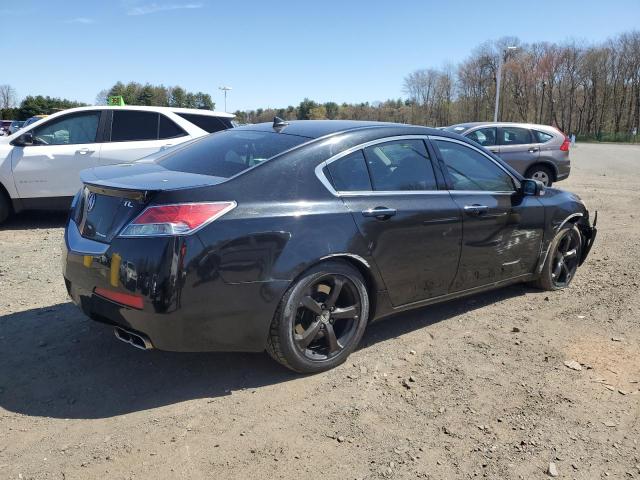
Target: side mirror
24 140
532 188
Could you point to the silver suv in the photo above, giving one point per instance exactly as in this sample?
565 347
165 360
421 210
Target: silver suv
536 151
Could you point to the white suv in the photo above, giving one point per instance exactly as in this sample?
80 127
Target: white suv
40 164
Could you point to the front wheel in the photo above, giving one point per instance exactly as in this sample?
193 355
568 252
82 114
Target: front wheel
321 318
562 260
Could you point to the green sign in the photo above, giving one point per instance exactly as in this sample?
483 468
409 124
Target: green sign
116 101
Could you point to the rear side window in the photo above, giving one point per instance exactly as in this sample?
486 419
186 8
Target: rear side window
349 173
208 123
542 137
228 153
514 136
131 125
400 165
168 129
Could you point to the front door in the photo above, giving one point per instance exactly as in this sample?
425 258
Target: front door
502 228
62 148
412 229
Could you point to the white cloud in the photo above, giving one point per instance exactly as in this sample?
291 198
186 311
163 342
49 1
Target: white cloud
83 20
148 8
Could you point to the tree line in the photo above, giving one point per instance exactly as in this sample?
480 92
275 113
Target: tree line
31 105
135 93
590 90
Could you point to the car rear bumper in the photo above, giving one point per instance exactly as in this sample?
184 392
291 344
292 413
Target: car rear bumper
563 169
185 306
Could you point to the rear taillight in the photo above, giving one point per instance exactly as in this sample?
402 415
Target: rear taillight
177 219
567 142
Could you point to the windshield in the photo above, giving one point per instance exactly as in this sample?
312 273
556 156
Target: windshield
225 154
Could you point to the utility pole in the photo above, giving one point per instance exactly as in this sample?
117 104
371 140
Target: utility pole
501 59
225 89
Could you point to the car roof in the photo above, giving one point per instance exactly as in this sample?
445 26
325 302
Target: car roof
466 126
321 128
210 113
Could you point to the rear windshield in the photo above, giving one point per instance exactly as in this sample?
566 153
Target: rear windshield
228 153
456 128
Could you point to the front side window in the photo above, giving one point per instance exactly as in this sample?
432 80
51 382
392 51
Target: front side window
483 136
400 165
132 125
514 136
470 170
349 173
68 130
228 153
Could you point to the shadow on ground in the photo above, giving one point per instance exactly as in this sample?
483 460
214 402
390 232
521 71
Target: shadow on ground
35 220
57 363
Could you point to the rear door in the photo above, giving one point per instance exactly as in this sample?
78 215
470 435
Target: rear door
135 134
502 228
411 227
518 147
63 146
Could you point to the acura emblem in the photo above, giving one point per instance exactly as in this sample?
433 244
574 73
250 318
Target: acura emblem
91 201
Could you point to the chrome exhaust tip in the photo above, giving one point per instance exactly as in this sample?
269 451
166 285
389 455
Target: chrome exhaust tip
134 339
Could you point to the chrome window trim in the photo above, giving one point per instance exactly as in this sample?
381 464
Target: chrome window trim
372 193
356 193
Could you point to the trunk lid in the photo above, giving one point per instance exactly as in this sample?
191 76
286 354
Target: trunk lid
114 195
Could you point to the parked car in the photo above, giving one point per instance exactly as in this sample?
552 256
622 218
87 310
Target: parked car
294 237
33 119
535 151
40 164
4 126
15 126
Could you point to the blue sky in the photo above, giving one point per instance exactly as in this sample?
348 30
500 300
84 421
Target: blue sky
273 53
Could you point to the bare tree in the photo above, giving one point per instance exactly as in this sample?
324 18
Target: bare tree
8 97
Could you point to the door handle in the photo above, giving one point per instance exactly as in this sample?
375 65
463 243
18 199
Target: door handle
381 213
533 150
475 209
493 150
166 146
84 151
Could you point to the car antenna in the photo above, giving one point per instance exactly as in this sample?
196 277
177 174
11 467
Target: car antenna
279 123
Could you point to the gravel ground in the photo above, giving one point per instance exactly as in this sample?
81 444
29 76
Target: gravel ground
476 387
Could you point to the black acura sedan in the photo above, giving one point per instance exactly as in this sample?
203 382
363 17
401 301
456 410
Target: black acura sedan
293 237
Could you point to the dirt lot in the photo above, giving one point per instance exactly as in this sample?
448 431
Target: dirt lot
472 388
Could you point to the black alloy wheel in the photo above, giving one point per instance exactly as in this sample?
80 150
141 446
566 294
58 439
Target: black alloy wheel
566 258
562 260
321 319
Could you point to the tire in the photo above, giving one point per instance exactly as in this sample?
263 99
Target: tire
311 336
557 273
542 173
5 207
